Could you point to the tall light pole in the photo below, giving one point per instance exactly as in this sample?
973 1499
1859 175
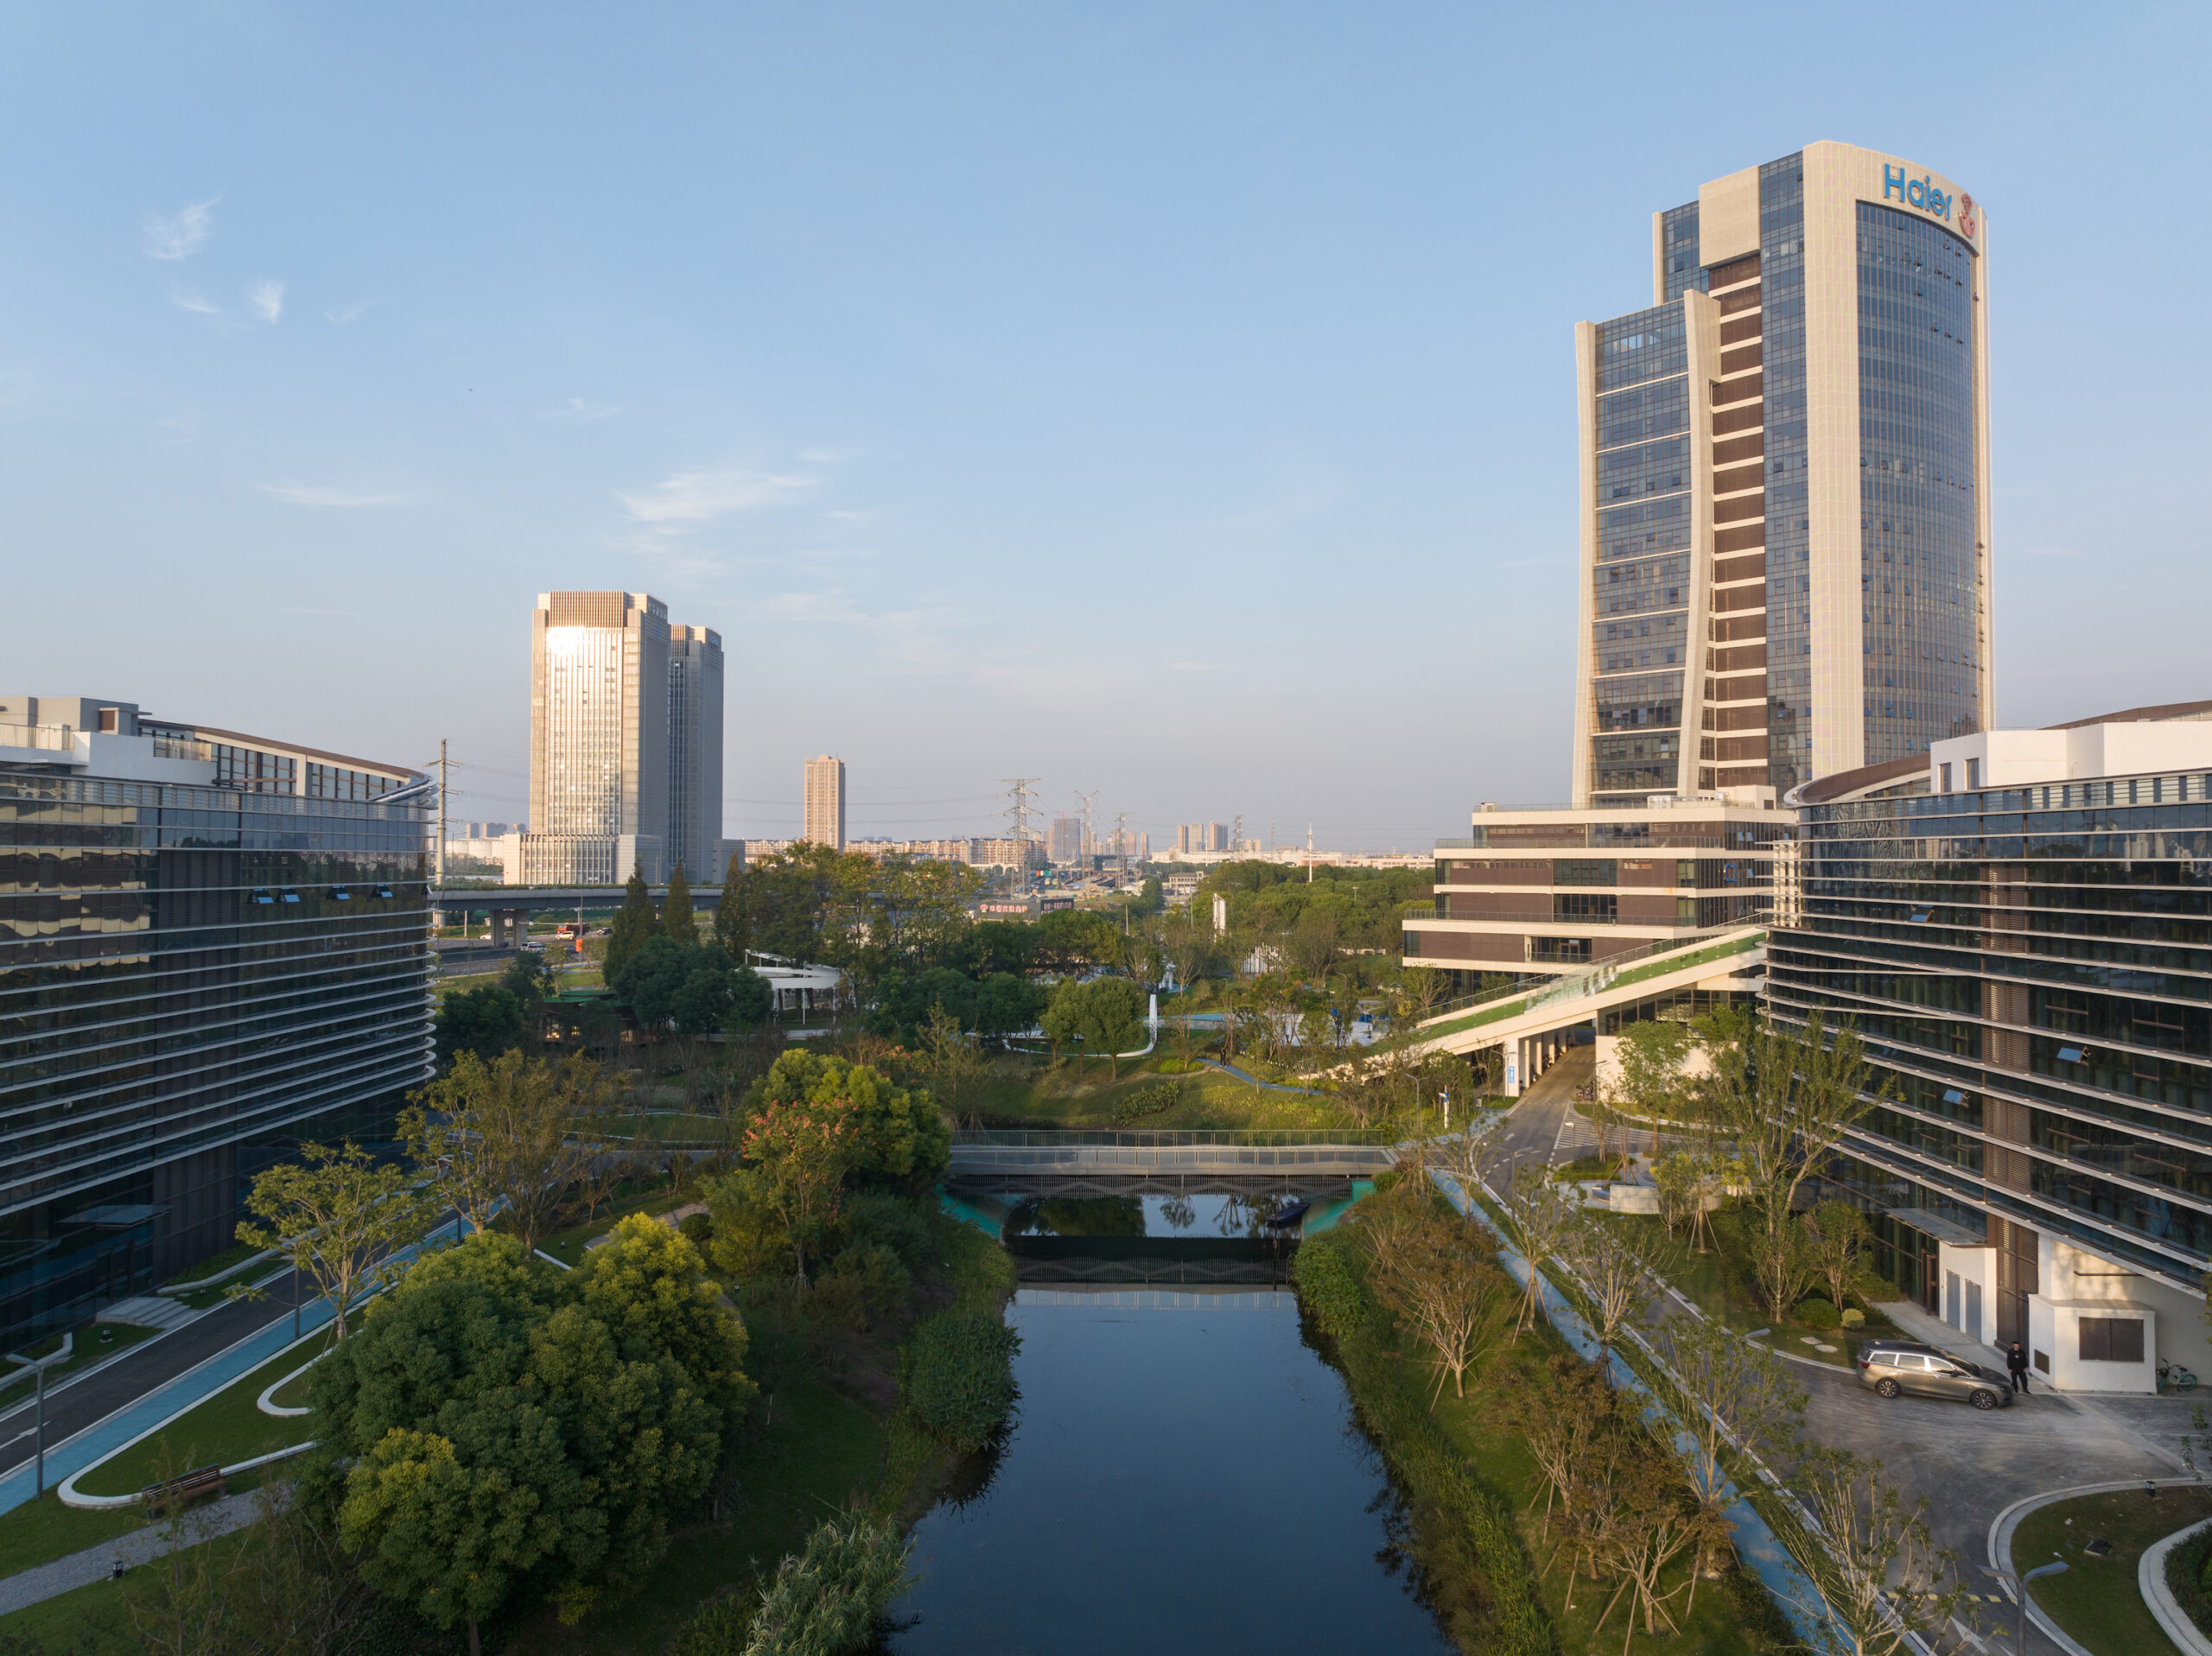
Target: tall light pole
2019 1583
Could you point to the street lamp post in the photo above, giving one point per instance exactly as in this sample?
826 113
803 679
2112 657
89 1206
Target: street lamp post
38 1367
2019 1582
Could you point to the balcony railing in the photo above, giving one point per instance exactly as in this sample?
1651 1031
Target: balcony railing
56 738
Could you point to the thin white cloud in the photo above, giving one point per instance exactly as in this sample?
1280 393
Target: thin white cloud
699 497
351 313
579 410
179 236
267 299
303 609
186 299
311 494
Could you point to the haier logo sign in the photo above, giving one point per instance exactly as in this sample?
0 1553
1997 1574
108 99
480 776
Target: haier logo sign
1922 194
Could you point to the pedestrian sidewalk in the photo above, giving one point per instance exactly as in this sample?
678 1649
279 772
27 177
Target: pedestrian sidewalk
150 1311
46 1580
1932 1330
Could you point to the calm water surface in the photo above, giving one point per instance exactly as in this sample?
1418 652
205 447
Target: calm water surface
1185 1476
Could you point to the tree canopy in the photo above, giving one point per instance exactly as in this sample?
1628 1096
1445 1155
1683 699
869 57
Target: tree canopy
696 987
901 1139
1000 1003
634 922
501 1419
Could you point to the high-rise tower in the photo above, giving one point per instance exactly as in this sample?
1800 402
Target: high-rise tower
825 801
695 752
1786 485
599 782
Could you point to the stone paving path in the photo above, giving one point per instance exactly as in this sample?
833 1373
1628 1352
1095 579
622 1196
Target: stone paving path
48 1581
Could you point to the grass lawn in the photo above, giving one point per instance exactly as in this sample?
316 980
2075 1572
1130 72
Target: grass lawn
823 1450
225 1430
91 1620
90 1349
2097 1600
1715 1282
1020 1092
40 1531
567 1246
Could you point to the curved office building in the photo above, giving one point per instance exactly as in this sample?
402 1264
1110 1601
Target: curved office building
1785 466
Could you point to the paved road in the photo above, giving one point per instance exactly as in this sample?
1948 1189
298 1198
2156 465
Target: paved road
146 1367
1532 1129
1972 1466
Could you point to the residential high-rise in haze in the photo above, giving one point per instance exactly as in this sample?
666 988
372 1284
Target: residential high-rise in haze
1786 485
695 752
825 801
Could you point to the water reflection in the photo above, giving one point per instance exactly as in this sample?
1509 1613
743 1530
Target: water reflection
1244 1215
1184 1475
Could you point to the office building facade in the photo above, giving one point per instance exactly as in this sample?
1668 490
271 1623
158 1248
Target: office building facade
1538 893
2017 925
1784 478
211 947
694 753
825 801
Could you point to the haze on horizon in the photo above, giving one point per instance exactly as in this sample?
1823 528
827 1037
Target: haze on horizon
1176 403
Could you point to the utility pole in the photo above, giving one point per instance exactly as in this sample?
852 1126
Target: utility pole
441 813
1019 791
1087 847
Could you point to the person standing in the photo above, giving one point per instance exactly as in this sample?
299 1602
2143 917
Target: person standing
2017 1360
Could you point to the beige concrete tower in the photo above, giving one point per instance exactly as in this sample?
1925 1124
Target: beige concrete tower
598 738
825 801
1785 485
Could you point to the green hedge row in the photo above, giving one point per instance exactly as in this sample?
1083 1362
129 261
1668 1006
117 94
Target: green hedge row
1332 1288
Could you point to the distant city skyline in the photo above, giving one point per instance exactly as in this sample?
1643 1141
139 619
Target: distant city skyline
1252 419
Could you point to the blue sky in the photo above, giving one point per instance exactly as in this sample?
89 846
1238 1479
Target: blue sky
1170 401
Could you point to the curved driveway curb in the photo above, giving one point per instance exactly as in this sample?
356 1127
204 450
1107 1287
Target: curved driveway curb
2150 1581
2000 1541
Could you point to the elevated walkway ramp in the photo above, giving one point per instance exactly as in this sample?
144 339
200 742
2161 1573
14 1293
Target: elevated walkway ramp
1530 1024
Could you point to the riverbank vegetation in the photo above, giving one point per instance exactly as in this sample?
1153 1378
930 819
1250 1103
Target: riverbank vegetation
1546 1514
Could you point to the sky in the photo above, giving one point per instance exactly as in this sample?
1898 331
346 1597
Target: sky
1173 403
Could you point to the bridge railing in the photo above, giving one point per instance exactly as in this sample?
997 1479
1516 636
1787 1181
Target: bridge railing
1170 1138
1636 963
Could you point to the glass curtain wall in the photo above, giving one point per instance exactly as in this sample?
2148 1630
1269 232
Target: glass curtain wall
1641 576
1918 559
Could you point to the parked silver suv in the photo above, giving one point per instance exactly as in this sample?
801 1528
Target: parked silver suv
1892 1367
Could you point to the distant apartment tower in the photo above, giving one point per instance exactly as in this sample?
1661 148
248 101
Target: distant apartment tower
1201 836
1065 843
1785 477
825 801
694 753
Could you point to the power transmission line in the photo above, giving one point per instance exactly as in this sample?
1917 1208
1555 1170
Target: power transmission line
1020 791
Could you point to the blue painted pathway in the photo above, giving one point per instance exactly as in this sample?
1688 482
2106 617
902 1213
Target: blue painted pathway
1756 1545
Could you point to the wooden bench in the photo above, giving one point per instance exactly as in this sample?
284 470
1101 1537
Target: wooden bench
185 1486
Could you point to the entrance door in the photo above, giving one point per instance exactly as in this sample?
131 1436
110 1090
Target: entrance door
1972 1327
1951 1299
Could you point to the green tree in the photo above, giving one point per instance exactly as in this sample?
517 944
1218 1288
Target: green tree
648 1284
505 1140
901 1139
800 1152
634 922
733 913
485 1022
500 1422
338 1217
751 1240
677 923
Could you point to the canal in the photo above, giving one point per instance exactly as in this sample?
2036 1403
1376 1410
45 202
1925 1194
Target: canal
1184 1473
